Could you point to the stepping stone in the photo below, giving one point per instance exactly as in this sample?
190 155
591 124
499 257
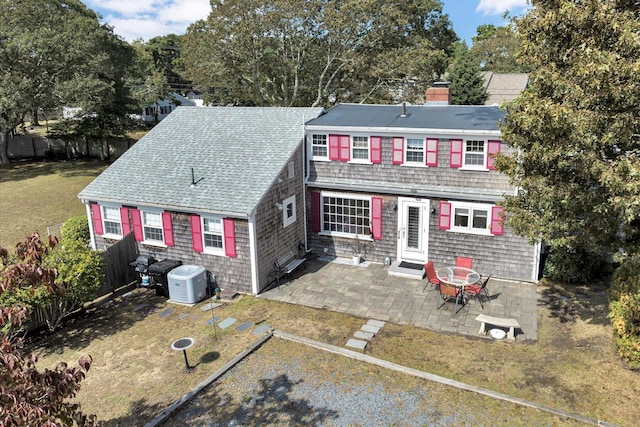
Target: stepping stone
228 294
183 315
195 317
369 328
227 322
363 335
244 326
165 313
376 323
212 321
210 306
127 295
140 307
359 344
261 329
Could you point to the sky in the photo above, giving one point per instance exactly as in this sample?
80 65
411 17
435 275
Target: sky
145 19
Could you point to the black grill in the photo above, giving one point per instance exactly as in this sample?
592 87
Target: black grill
142 263
159 271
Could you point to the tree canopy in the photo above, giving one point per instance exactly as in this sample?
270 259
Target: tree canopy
576 127
53 53
287 52
496 48
467 84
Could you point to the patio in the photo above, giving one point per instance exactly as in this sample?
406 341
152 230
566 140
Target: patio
367 291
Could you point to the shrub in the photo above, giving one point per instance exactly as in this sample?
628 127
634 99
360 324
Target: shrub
75 230
624 310
576 266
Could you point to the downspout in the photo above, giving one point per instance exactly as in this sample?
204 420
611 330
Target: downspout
305 173
92 235
253 256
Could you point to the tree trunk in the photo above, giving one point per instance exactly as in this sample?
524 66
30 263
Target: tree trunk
34 118
4 147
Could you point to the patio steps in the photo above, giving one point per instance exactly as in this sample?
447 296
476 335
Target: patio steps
410 273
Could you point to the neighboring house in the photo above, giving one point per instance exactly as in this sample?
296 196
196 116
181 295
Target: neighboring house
219 187
165 106
504 87
416 183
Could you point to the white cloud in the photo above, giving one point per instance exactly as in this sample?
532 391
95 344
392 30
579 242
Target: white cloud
498 7
185 11
143 27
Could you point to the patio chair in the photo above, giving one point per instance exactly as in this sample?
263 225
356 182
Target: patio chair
432 278
476 291
447 292
464 262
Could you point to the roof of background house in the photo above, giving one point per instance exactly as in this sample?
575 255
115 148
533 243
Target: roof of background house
503 87
236 153
444 117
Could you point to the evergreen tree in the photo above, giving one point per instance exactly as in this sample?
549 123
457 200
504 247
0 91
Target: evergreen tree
467 84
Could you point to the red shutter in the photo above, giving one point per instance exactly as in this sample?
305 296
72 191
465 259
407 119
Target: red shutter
97 218
497 220
124 218
493 148
376 149
229 237
345 148
432 152
167 228
376 217
455 157
196 233
315 212
137 225
334 147
444 222
397 150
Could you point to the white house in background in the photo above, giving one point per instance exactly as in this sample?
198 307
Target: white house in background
166 106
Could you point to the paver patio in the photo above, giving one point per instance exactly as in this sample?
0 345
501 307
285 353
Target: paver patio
367 291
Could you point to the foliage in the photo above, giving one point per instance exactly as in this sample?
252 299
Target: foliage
75 231
55 53
467 84
317 52
624 306
576 266
576 128
496 48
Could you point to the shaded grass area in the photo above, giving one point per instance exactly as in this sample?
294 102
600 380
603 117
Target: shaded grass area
36 195
572 366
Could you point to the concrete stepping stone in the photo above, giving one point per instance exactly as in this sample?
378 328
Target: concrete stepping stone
369 328
376 323
244 326
210 306
183 315
261 329
359 344
212 321
140 307
164 313
363 335
227 322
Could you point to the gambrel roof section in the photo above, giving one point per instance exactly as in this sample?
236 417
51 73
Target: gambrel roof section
235 153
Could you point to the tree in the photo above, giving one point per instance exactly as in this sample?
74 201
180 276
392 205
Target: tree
467 84
287 52
576 128
496 48
29 396
52 54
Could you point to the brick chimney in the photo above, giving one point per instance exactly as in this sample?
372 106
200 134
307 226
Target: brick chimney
438 94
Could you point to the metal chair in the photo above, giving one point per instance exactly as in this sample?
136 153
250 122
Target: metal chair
476 291
432 278
447 292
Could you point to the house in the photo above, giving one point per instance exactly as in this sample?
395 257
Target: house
504 87
165 106
415 183
218 187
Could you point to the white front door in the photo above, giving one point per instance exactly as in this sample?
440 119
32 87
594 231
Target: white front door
413 229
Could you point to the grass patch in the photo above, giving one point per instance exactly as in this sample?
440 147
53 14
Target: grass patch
36 195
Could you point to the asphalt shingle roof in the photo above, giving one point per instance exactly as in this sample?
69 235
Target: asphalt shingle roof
449 117
236 153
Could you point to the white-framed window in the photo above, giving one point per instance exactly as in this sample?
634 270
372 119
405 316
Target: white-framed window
291 170
475 154
471 217
212 236
152 227
111 221
345 214
319 147
289 211
414 152
360 148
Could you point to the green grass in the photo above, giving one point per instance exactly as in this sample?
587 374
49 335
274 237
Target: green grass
37 195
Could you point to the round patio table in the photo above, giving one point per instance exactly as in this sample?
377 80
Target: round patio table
458 276
183 344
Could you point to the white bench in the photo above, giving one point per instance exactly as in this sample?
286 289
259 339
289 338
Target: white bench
498 321
287 263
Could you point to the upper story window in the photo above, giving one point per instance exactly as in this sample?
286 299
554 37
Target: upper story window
112 221
212 233
360 148
474 153
319 148
477 154
152 227
414 152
